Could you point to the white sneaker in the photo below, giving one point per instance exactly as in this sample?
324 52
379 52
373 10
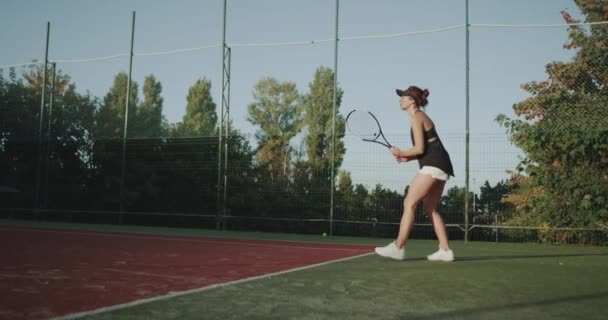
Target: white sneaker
391 251
442 255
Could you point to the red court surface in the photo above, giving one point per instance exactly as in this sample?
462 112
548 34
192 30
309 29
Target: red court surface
48 273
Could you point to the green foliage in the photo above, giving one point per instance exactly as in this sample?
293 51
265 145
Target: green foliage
376 207
19 119
201 112
318 119
563 130
72 127
110 117
277 111
150 120
66 146
452 204
489 207
174 168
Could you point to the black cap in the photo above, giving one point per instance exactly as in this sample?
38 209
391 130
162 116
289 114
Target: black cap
402 93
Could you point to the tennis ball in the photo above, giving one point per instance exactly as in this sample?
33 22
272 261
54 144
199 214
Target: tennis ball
324 234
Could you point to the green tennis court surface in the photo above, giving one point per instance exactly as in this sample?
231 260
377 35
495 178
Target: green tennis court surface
488 281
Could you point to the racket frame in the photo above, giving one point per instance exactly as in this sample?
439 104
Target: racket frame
380 133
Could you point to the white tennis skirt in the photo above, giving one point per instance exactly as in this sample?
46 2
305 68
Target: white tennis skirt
434 172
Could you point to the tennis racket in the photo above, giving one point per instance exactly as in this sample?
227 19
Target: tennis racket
365 125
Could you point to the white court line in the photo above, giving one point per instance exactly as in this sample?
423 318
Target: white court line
197 290
219 241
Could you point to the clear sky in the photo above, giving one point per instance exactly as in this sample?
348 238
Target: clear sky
501 59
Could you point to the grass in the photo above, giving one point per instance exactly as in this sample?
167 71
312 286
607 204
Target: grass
487 281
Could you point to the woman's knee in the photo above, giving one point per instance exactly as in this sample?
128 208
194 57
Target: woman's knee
410 203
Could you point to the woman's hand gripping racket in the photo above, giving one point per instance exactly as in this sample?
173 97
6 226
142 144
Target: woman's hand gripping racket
365 125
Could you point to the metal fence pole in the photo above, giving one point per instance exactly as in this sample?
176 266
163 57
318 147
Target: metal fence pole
37 191
124 135
467 132
226 92
333 126
48 138
219 219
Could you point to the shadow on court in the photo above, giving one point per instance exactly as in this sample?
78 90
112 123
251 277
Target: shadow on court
538 256
486 311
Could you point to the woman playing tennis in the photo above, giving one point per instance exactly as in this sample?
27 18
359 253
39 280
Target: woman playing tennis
427 186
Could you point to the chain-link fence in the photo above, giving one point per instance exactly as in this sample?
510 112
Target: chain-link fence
270 152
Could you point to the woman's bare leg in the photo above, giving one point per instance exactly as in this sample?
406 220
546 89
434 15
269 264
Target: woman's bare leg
431 209
419 188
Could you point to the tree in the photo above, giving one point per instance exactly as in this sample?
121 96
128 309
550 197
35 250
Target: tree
490 203
345 184
361 192
240 181
277 111
36 73
19 120
19 109
73 123
563 130
345 193
66 154
384 198
452 204
71 147
318 119
150 120
110 117
201 116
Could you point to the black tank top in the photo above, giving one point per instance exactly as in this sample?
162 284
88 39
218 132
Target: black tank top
434 154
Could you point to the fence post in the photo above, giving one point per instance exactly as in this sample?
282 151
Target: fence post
467 131
333 126
226 102
47 166
124 135
219 205
38 191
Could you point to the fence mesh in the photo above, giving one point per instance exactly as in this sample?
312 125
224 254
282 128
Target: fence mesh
261 155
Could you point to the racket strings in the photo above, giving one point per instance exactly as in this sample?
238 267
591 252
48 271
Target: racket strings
362 124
